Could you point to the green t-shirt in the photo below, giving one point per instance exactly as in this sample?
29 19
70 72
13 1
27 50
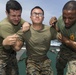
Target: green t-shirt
38 42
68 32
6 29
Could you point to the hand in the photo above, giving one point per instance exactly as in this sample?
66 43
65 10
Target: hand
59 36
53 21
25 26
62 38
10 40
18 45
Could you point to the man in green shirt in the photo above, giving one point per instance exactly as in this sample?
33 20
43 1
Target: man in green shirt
8 26
66 24
37 44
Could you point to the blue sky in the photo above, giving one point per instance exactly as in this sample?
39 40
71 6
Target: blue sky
50 7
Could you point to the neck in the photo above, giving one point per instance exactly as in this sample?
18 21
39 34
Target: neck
37 26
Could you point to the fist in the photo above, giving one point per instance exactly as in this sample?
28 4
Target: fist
25 26
53 21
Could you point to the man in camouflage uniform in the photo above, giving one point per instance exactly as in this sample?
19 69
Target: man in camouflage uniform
37 40
66 24
8 26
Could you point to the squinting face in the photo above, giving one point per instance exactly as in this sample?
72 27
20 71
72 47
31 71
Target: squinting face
37 16
14 16
69 17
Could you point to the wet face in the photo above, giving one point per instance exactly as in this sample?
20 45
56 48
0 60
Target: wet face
37 16
69 17
14 16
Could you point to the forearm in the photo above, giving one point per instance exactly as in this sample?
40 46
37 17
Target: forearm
71 44
18 45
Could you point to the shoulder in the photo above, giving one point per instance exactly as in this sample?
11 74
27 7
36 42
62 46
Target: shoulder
4 24
60 22
60 18
46 26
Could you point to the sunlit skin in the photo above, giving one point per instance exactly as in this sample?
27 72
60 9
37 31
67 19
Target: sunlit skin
14 16
69 17
37 19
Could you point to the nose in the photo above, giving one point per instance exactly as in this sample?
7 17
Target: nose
37 15
16 18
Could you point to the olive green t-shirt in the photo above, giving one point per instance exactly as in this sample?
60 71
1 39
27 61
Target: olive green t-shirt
6 29
38 41
70 33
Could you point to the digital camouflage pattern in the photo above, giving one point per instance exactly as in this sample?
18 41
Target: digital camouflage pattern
8 65
71 68
66 53
64 56
39 67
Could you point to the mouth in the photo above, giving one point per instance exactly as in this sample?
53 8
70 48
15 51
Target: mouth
67 26
16 22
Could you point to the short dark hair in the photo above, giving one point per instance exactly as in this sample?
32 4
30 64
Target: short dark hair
37 7
14 5
70 5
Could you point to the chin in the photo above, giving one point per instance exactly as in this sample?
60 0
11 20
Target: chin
68 27
15 23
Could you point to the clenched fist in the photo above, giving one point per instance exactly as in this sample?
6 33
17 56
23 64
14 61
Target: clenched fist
25 26
10 40
53 21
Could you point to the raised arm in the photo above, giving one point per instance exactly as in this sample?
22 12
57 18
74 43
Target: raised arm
53 23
